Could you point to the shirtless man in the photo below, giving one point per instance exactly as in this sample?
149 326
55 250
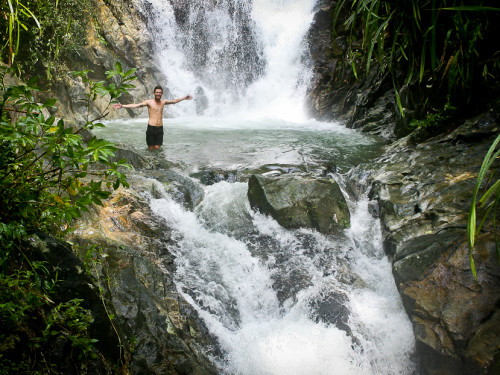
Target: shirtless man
154 134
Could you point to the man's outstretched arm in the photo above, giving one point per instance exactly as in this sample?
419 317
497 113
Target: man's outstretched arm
133 105
187 97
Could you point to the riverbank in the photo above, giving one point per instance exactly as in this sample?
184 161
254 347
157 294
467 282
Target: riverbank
422 194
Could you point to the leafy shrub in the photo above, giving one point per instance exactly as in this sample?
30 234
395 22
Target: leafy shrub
47 178
31 324
37 35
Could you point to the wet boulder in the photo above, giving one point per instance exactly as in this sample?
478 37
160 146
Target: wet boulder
132 157
300 202
137 271
213 176
423 195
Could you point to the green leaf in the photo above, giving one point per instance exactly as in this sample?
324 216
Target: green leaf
49 103
491 155
494 189
398 101
50 121
129 72
472 8
33 82
376 39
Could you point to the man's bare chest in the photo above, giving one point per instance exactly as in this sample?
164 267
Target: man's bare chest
155 107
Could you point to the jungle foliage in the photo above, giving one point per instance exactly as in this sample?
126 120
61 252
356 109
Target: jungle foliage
39 35
449 46
48 176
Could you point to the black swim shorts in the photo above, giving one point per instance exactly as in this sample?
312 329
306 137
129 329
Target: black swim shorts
154 135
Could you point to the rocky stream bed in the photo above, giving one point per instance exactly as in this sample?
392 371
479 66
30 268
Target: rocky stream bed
421 194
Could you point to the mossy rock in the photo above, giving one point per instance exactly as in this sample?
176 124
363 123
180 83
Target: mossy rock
300 202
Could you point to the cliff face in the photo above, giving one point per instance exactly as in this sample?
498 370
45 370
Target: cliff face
422 195
117 33
335 92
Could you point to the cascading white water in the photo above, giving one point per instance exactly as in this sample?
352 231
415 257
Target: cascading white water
248 58
275 298
279 301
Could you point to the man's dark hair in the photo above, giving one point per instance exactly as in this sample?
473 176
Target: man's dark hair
158 88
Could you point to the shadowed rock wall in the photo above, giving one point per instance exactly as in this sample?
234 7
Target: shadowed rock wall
422 194
335 92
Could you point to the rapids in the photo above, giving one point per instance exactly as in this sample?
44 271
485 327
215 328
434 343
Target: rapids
278 301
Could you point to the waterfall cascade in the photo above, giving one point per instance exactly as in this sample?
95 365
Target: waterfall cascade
278 301
288 302
236 55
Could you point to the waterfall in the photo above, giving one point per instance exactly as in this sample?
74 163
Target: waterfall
278 301
237 56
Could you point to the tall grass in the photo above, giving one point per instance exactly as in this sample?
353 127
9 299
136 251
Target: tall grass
452 41
488 202
16 14
36 36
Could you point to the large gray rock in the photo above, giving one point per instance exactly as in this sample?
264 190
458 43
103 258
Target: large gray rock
300 202
423 194
136 275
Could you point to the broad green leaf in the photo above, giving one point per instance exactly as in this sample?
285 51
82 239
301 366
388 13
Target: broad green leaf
50 103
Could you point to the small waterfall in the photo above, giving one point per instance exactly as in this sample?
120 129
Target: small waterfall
237 57
288 302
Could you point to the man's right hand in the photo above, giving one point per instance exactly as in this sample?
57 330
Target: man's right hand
117 106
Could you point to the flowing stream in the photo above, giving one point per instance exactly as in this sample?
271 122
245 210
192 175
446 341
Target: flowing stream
278 301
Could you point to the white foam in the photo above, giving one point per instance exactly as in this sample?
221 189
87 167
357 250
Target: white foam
233 292
279 27
292 345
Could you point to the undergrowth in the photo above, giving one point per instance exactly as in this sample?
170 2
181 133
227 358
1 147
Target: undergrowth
47 178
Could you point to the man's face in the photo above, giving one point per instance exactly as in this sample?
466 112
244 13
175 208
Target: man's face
158 94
